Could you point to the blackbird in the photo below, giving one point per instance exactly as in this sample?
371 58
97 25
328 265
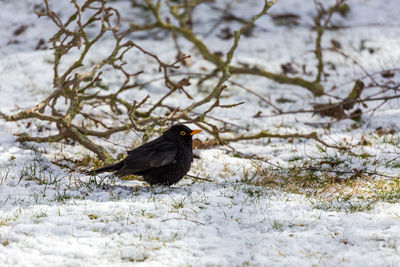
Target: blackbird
164 160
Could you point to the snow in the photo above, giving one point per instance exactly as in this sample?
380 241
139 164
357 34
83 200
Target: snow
69 221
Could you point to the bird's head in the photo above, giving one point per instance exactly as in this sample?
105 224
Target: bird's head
181 132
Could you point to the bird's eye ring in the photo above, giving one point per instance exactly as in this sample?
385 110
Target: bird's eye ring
182 133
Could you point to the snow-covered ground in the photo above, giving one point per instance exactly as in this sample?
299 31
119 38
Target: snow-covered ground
49 217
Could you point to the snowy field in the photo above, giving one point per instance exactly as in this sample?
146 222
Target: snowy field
245 216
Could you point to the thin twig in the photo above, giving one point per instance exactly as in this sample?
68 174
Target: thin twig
186 219
199 178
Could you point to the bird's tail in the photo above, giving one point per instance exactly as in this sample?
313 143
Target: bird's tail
110 168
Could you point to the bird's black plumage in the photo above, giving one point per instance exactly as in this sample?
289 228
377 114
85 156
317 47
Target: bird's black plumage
164 160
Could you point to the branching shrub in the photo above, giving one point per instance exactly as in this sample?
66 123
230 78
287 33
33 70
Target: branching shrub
71 110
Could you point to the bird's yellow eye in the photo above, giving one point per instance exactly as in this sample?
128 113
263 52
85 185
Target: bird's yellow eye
182 133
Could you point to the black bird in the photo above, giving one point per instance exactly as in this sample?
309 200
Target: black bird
164 160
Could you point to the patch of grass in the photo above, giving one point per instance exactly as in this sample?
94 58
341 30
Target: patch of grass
7 220
391 139
62 197
255 192
277 226
86 161
147 214
37 216
93 182
178 204
5 169
348 203
388 191
352 192
39 173
227 170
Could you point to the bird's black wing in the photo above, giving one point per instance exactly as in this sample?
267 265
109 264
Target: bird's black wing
150 155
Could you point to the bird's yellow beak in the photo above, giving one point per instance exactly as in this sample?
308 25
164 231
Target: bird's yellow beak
196 132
